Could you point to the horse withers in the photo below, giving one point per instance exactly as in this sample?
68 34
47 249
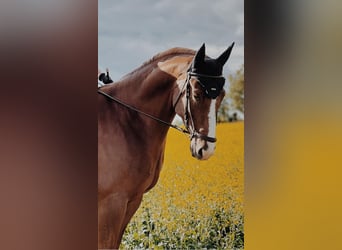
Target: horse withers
134 115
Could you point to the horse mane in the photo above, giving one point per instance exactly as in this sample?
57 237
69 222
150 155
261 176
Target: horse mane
163 56
168 53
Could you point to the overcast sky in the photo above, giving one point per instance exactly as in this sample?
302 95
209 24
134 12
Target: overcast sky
132 31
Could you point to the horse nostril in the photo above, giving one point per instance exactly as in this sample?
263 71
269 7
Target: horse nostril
200 153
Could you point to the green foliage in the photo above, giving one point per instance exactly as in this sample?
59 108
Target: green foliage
237 90
234 99
222 114
219 230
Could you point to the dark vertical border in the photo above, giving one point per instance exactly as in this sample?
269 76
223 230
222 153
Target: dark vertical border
48 163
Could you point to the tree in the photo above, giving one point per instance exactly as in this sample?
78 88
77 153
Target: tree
222 113
234 99
236 90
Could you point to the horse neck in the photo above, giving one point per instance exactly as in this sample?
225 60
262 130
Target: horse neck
151 89
152 94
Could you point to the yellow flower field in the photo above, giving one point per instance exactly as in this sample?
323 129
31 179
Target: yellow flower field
196 204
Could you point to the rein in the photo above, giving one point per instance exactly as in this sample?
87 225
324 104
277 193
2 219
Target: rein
143 113
187 116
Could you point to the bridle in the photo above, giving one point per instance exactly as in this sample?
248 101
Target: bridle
189 123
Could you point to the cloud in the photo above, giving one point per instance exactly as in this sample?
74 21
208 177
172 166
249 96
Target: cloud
131 32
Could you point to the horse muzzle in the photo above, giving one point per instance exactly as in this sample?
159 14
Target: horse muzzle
202 147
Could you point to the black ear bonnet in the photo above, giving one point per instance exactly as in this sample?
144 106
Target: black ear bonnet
212 85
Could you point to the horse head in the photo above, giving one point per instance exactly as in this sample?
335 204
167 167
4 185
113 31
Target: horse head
199 100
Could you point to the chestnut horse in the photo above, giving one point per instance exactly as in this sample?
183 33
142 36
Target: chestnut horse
134 116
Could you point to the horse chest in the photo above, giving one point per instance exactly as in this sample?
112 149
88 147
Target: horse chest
146 174
130 175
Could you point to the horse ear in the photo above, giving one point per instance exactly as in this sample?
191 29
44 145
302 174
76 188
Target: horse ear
222 59
199 57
